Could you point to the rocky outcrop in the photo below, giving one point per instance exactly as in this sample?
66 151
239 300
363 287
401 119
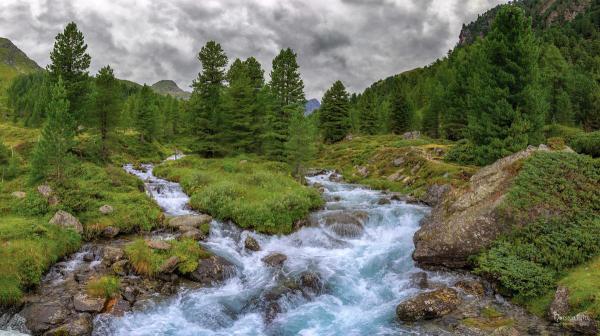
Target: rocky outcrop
471 287
84 303
429 305
67 221
560 305
183 223
467 219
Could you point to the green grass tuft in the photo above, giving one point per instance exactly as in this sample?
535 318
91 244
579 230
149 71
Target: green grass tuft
104 287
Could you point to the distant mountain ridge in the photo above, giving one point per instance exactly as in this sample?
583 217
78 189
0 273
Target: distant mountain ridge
545 13
169 87
14 62
311 106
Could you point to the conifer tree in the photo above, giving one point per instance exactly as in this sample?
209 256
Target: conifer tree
368 113
51 154
334 114
146 115
240 100
300 146
453 118
506 107
206 103
106 104
287 90
400 114
255 73
70 61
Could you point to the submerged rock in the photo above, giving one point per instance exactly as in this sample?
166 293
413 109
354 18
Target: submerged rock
346 224
467 220
275 259
420 280
212 270
67 221
312 281
251 244
429 305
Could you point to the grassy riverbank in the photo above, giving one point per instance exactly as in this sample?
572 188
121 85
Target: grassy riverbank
389 162
254 193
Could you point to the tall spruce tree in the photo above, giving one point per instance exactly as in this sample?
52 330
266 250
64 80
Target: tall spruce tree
334 114
453 118
206 104
300 146
400 113
106 105
287 89
70 61
146 114
240 100
368 116
506 106
51 155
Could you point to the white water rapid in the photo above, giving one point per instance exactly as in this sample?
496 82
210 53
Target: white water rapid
363 278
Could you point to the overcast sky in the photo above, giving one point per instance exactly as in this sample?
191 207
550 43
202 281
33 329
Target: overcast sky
356 41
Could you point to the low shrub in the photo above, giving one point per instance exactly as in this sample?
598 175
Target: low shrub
587 143
104 287
554 205
146 261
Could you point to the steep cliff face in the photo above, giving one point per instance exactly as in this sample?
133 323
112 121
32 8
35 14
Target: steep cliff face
544 14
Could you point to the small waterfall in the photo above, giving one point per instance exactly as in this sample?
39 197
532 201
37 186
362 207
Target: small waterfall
363 276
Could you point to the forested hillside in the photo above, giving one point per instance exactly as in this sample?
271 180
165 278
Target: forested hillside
559 50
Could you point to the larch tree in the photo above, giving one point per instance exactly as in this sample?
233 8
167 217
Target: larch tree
206 104
70 61
51 155
334 114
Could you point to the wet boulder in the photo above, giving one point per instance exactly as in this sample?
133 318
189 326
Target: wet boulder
42 316
85 303
312 281
66 220
79 326
420 280
275 260
429 305
471 287
111 254
346 224
193 233
211 270
559 308
110 232
251 244
335 177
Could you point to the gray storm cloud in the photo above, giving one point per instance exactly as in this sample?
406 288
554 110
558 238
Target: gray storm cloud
355 41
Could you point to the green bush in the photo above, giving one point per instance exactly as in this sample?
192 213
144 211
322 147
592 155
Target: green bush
587 143
561 131
146 261
104 287
33 204
255 194
554 206
463 152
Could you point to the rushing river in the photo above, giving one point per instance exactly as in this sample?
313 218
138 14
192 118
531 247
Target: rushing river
364 278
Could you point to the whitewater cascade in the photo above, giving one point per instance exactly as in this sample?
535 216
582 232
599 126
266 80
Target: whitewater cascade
364 278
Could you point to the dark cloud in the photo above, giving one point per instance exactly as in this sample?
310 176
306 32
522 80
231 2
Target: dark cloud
356 41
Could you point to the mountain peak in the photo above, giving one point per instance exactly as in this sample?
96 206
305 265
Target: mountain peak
311 106
13 61
169 87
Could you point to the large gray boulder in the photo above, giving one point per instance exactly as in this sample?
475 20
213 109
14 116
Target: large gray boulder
275 260
583 323
84 303
468 219
346 224
67 221
429 305
183 223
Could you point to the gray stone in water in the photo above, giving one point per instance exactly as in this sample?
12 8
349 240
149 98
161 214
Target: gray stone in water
251 244
429 305
212 270
67 221
344 224
275 259
189 221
